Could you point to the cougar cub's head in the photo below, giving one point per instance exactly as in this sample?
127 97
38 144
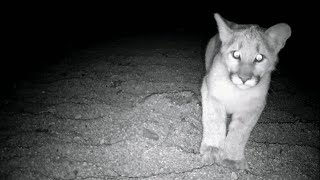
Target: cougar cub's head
248 51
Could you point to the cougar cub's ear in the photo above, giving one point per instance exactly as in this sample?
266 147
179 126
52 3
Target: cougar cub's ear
277 35
224 29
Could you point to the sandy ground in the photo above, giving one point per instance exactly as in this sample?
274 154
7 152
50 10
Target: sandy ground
131 109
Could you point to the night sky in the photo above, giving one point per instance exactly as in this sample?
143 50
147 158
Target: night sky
41 34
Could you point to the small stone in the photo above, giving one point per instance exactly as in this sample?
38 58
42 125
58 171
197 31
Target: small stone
78 116
234 176
102 141
147 133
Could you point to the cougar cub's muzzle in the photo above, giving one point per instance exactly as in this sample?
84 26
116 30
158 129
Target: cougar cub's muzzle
244 81
244 77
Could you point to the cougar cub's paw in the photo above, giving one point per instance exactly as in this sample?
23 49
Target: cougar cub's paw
209 154
235 164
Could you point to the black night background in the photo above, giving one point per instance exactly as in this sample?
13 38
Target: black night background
40 34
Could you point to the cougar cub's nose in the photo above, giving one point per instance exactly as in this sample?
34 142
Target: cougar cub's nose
244 78
245 72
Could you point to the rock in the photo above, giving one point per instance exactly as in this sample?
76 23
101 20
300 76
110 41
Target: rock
150 134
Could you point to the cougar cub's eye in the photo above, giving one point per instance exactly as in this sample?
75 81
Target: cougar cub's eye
236 55
259 58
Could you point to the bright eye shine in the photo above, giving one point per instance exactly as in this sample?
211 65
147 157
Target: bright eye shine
236 54
259 58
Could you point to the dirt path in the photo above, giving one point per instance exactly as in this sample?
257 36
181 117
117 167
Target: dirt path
131 110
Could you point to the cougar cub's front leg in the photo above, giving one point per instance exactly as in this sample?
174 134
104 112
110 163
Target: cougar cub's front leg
214 128
239 131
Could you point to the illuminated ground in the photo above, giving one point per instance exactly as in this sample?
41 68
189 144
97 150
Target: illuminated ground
130 109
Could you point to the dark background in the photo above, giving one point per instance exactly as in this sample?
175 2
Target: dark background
40 34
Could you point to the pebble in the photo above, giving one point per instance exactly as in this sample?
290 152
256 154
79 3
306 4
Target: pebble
147 133
234 176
